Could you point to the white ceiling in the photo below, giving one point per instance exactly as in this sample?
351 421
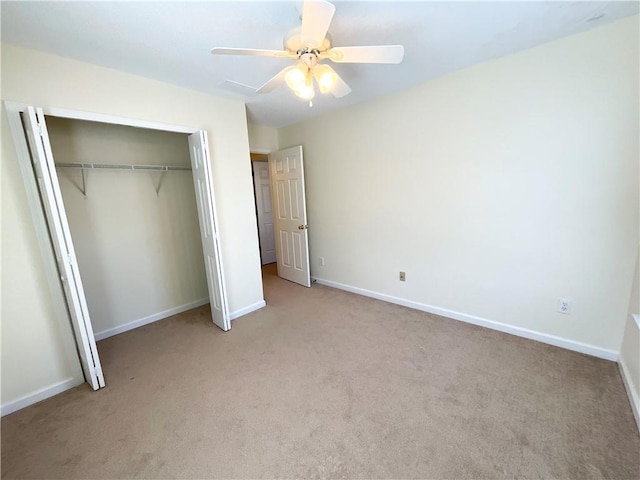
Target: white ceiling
170 41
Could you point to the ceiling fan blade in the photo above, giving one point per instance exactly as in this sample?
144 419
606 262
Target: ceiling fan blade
341 89
316 18
251 51
370 54
275 81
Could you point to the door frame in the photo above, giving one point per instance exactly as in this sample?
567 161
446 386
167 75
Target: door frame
14 110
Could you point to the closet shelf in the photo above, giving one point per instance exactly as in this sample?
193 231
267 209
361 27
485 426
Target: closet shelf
106 166
155 168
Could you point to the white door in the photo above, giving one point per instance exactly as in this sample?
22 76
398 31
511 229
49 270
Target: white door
51 197
292 240
199 151
262 187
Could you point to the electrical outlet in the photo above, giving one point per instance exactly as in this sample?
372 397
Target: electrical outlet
403 277
564 306
322 261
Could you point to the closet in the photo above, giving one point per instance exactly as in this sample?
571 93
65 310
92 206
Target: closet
135 229
130 214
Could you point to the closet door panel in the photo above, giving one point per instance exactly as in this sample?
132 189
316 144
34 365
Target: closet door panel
51 197
199 151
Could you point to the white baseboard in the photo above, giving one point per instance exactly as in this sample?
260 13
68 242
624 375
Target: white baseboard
172 311
39 395
482 322
149 319
246 310
634 400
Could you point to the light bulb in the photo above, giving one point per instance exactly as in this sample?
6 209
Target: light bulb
326 78
306 92
296 77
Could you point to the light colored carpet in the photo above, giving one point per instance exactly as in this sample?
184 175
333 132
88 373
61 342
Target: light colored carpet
327 384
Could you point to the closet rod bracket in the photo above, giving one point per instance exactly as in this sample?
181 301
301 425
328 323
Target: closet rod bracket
160 182
84 184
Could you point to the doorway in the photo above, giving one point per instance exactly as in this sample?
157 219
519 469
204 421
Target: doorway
288 212
131 206
264 210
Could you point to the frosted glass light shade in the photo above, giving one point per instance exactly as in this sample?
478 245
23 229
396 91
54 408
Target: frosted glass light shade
326 78
296 77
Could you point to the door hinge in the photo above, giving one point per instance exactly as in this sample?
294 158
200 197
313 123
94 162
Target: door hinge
40 130
69 259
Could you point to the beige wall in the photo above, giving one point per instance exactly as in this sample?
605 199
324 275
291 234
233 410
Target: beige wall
499 189
139 253
35 357
262 139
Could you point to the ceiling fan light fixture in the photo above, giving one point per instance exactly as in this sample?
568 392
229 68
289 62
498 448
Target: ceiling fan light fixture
311 43
326 78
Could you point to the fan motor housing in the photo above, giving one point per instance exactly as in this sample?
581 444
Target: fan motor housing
293 42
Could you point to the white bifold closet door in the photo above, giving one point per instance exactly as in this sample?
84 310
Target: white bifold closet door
200 165
51 197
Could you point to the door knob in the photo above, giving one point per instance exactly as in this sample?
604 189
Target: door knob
303 227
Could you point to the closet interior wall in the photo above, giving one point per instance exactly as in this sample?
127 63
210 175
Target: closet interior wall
139 253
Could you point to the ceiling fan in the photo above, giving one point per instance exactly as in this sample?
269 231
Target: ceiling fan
310 44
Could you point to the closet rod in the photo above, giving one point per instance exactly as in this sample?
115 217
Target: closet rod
153 168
